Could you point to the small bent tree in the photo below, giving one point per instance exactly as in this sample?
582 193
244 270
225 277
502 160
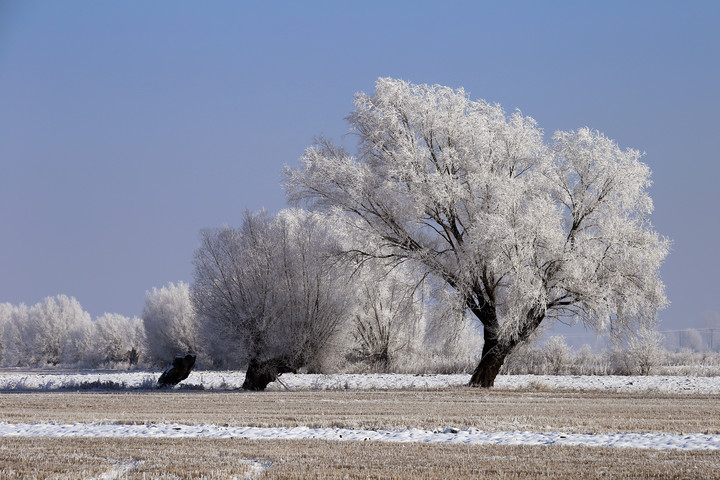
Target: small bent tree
522 231
267 293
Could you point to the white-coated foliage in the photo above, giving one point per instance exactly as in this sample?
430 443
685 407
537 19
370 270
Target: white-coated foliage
389 317
117 339
55 330
644 350
313 281
520 229
556 354
170 322
58 331
452 335
16 351
270 288
6 312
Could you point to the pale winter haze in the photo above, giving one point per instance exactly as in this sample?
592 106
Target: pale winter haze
126 128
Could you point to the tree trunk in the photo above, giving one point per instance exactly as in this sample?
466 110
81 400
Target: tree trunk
260 373
493 357
495 352
178 371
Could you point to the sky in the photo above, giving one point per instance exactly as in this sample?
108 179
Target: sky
126 127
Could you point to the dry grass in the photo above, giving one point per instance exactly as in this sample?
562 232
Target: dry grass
132 458
45 458
460 408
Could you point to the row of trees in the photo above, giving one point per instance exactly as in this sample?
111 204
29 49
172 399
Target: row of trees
450 206
279 293
641 354
458 206
452 218
58 331
273 289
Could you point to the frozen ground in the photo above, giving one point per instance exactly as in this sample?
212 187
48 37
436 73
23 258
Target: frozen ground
222 381
232 380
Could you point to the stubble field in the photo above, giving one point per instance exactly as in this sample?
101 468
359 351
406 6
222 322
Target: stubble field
495 410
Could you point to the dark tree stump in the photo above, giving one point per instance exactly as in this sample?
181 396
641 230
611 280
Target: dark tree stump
260 373
178 370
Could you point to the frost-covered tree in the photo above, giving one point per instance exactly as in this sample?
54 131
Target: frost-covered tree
78 343
234 292
268 291
53 331
637 352
118 339
6 312
170 322
389 316
556 354
522 231
16 351
313 282
645 346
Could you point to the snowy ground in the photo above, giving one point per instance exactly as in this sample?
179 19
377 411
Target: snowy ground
232 380
471 436
223 381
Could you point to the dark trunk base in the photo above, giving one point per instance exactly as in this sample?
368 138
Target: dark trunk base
496 351
260 373
484 377
178 371
492 360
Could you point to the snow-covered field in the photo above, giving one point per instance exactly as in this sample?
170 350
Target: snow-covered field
232 380
223 381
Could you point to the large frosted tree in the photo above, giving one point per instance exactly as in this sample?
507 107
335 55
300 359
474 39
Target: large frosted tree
521 230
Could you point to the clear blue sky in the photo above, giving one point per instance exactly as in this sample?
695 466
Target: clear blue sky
126 127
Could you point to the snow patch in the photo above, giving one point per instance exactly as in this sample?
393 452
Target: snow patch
655 441
232 380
